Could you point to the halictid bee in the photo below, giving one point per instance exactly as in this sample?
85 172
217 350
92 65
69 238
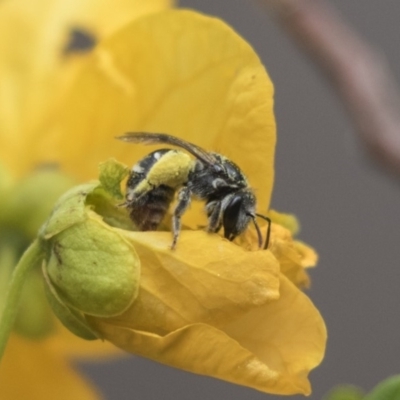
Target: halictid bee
210 177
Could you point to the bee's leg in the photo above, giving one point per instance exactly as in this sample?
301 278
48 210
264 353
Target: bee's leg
214 209
184 195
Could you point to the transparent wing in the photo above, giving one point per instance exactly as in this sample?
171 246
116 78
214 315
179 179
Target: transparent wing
156 138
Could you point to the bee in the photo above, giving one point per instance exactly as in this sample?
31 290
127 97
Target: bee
211 177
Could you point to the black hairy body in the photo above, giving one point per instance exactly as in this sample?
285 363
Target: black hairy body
210 177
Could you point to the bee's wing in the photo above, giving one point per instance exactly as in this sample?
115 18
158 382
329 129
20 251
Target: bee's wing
154 138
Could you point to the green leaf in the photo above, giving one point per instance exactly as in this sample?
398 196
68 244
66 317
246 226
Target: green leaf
389 389
345 392
6 183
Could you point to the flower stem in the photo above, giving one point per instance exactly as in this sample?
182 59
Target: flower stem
32 256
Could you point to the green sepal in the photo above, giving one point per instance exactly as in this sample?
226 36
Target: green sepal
34 319
94 268
91 266
90 269
106 200
112 173
71 319
389 389
68 211
109 209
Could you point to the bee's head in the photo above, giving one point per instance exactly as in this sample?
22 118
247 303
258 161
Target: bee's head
238 212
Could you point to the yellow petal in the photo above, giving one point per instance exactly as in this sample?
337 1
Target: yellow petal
30 371
305 255
177 72
205 279
290 259
211 307
308 255
289 335
34 70
270 348
289 221
293 256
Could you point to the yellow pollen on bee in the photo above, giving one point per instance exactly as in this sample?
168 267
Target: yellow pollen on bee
171 169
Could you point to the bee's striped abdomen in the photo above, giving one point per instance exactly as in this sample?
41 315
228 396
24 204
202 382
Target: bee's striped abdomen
149 209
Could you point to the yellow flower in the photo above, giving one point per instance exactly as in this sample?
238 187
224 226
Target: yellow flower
38 62
210 307
213 308
294 256
38 369
161 74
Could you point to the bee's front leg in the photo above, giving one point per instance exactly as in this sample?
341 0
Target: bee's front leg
184 197
214 211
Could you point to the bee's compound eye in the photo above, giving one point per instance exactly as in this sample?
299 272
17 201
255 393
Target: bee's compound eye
231 218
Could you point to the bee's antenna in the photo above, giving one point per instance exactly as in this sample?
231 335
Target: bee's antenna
268 230
258 232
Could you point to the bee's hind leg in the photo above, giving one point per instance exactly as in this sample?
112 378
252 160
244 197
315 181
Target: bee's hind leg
184 196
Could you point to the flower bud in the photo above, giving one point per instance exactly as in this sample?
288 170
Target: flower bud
31 199
5 185
90 268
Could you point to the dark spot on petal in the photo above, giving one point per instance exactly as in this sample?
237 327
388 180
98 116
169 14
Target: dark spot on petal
47 166
79 41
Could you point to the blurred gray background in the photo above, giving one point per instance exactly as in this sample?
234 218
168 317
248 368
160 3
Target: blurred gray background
348 209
